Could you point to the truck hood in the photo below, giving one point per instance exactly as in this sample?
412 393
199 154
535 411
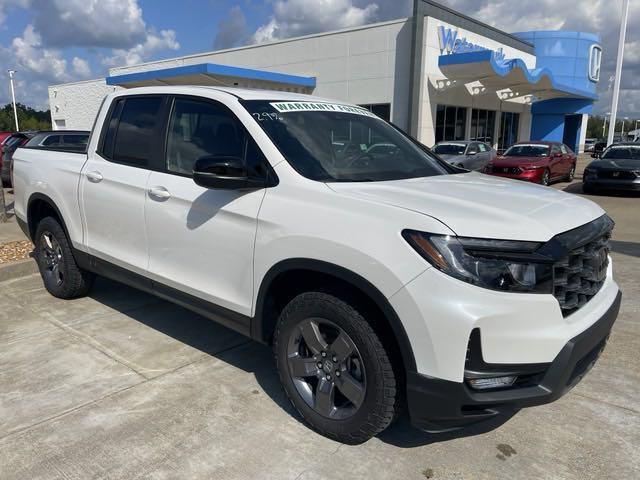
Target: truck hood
477 205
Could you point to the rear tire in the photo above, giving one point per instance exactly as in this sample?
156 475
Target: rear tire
334 368
60 273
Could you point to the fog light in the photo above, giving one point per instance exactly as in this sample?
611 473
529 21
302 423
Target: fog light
492 382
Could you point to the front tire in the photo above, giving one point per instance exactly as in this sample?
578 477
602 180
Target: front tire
572 173
334 369
60 273
546 178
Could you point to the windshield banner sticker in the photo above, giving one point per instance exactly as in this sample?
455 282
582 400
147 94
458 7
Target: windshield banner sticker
284 107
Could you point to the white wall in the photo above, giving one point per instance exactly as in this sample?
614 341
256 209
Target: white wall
74 106
430 97
369 64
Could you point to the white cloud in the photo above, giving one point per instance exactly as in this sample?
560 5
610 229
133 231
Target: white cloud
36 67
30 55
232 31
81 67
89 23
300 17
154 43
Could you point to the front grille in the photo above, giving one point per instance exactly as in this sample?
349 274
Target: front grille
511 170
579 275
617 175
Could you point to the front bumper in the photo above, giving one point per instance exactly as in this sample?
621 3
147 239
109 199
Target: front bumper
436 404
534 175
611 184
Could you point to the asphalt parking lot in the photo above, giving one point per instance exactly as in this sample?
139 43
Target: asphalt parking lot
122 385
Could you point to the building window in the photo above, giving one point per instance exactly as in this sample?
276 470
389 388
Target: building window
509 123
450 123
383 110
483 123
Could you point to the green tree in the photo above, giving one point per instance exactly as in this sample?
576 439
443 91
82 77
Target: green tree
28 118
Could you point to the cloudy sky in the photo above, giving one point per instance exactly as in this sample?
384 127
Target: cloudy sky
57 41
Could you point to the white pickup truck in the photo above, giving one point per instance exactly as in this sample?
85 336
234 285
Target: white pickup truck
382 276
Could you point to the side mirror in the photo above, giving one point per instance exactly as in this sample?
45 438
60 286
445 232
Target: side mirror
224 172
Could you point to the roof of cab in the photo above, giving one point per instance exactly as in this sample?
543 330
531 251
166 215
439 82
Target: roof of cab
241 93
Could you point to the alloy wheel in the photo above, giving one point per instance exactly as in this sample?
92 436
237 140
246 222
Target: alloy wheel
326 368
53 258
545 178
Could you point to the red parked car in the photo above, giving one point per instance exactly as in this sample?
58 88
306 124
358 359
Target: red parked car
538 162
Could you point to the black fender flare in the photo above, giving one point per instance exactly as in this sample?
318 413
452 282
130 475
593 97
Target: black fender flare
345 275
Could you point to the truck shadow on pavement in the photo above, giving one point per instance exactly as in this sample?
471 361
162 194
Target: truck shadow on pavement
240 352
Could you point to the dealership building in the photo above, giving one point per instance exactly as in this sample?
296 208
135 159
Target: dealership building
439 75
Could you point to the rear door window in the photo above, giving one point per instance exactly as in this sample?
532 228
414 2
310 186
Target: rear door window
136 135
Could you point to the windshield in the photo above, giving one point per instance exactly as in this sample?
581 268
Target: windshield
330 142
622 152
529 150
450 148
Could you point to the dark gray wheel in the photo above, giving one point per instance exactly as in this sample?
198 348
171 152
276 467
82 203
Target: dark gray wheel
61 275
53 258
326 368
334 369
546 176
572 173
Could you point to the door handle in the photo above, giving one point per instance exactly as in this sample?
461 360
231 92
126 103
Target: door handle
94 177
159 193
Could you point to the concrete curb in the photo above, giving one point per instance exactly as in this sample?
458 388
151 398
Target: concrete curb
18 269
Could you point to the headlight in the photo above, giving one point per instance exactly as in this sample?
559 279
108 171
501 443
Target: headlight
495 264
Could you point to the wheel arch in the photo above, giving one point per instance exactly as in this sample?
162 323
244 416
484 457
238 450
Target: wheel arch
293 275
40 206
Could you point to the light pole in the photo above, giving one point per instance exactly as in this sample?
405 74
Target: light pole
616 84
622 132
13 98
604 124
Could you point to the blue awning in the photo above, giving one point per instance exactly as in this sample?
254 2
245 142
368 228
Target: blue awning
513 74
209 74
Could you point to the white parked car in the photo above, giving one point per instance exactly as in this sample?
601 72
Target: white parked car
381 276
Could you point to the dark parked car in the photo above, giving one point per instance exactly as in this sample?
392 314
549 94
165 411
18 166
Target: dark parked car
617 168
67 140
467 154
538 162
11 143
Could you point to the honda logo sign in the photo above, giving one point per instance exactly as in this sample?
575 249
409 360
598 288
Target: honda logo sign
595 60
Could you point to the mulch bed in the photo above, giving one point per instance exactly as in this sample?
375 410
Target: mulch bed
14 251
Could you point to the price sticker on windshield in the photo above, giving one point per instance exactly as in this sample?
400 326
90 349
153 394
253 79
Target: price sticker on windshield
286 107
